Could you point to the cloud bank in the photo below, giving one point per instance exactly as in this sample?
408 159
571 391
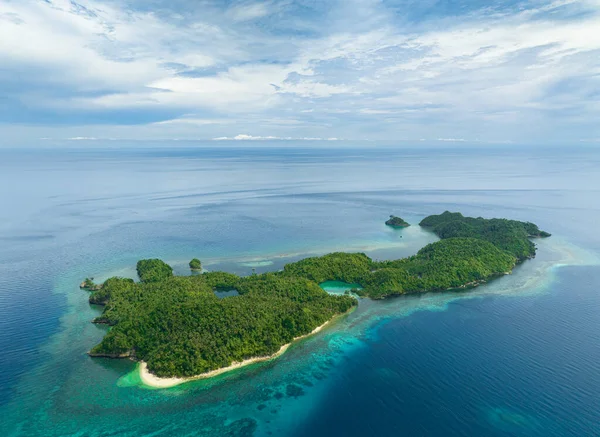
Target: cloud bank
291 69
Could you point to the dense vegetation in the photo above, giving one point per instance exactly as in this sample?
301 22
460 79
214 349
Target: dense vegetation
347 267
153 270
509 235
451 263
397 222
181 328
195 264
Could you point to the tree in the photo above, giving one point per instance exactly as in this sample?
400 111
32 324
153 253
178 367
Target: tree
153 270
195 264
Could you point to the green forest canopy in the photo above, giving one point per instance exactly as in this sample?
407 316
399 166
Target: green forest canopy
195 264
180 328
397 222
509 235
153 270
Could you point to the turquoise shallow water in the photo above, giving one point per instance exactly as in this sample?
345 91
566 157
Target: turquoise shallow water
516 357
338 287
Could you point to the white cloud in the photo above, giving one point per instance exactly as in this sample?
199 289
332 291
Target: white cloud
245 137
375 111
192 121
79 50
309 88
361 70
251 11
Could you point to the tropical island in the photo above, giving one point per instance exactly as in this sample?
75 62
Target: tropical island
397 222
178 327
195 264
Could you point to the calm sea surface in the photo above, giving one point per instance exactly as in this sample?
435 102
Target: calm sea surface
517 357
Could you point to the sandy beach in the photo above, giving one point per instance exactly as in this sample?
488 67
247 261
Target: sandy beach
157 382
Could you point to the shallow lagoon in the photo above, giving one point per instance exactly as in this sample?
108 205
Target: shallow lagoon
518 356
339 287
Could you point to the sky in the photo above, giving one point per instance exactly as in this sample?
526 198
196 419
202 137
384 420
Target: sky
337 70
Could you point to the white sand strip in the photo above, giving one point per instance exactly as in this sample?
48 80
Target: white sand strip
154 381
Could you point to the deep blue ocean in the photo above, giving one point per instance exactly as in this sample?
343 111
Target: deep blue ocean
517 357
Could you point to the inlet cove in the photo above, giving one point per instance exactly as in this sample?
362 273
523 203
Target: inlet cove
179 328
